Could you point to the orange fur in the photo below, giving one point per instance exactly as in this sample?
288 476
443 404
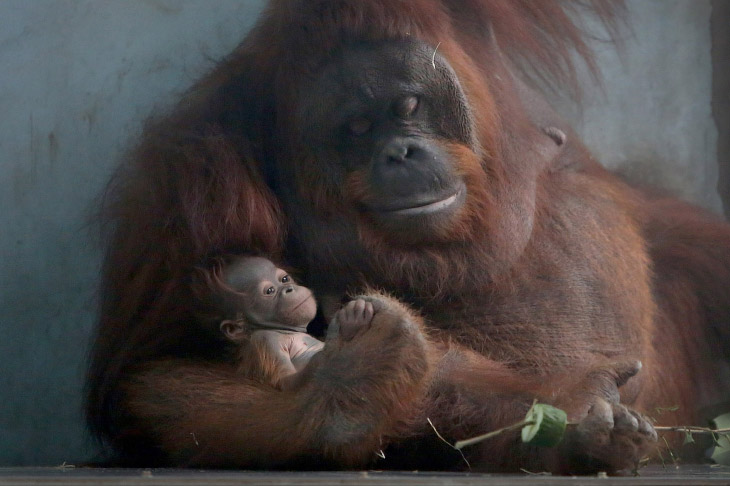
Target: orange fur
552 276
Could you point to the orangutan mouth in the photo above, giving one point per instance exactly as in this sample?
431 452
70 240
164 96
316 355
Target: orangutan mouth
455 199
302 302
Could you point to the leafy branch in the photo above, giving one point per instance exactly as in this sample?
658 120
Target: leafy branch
692 429
544 425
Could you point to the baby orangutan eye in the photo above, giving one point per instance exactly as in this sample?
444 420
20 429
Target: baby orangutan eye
285 279
406 107
359 126
269 290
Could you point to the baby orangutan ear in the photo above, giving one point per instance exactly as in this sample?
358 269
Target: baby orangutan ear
233 330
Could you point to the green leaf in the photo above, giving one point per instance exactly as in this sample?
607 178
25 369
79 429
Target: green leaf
688 439
661 410
547 427
722 421
721 451
721 455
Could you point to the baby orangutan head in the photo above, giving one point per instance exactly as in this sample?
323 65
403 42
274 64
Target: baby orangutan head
250 293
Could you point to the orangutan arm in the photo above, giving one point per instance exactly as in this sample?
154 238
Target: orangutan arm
354 396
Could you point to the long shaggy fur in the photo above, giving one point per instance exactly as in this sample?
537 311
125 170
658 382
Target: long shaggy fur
553 268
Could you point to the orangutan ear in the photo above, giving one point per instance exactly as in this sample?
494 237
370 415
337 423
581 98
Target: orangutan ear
233 330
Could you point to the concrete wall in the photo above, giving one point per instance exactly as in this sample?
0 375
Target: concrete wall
78 77
721 93
652 118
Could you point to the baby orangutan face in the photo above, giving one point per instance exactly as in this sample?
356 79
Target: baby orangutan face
267 296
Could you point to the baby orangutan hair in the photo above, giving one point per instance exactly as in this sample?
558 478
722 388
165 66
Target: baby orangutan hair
261 309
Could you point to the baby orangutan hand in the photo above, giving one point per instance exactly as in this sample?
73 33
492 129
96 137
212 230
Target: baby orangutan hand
352 319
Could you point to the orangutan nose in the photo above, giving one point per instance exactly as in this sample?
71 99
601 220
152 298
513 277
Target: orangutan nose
397 152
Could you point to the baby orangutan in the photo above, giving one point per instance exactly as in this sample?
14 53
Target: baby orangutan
265 313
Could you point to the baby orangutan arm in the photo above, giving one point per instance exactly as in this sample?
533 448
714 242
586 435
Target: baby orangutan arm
265 358
325 417
352 319
269 355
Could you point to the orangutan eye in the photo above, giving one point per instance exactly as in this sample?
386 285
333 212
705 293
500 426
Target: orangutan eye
406 107
359 126
285 279
269 290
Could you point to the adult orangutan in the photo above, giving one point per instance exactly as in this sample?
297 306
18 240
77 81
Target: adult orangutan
394 144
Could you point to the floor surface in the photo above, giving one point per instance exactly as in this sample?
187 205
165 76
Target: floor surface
689 475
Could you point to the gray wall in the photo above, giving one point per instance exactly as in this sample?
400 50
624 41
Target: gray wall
721 92
77 79
652 121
